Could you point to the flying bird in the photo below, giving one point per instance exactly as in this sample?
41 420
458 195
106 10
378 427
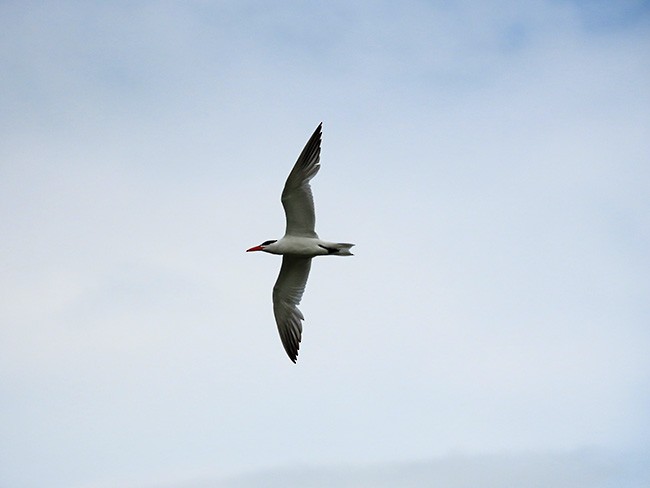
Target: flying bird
298 246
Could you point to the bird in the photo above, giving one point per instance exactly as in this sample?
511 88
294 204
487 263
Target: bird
298 246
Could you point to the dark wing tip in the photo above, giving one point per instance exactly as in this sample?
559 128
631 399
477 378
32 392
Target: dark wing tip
291 350
290 338
307 164
317 135
291 346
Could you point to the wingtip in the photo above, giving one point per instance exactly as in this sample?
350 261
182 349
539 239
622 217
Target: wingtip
293 355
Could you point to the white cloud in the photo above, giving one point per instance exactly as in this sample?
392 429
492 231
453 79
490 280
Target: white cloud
576 469
489 162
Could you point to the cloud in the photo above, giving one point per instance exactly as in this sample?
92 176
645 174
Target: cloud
577 469
489 160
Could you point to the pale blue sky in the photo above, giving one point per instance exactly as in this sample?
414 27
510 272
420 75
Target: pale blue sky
489 159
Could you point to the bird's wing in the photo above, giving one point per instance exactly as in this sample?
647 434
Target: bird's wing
297 199
287 294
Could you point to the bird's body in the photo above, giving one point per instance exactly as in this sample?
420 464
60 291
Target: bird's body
307 247
298 246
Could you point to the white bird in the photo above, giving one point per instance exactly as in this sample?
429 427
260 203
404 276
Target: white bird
298 246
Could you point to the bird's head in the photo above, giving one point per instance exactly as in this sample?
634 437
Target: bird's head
261 247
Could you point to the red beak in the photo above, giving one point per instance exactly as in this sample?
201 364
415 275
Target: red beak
256 248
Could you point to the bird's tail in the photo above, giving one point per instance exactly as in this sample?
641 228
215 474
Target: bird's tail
343 249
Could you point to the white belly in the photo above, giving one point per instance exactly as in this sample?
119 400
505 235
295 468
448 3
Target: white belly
300 246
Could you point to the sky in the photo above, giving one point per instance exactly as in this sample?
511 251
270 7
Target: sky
490 160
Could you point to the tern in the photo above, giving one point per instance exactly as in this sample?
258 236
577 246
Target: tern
298 246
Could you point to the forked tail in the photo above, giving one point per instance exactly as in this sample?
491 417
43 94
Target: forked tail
337 248
343 249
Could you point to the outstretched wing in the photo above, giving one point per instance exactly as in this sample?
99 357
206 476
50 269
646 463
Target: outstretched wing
287 294
297 199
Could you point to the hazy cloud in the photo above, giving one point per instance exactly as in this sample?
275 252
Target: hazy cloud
578 469
489 160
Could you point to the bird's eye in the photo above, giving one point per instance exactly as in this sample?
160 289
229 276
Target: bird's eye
266 243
